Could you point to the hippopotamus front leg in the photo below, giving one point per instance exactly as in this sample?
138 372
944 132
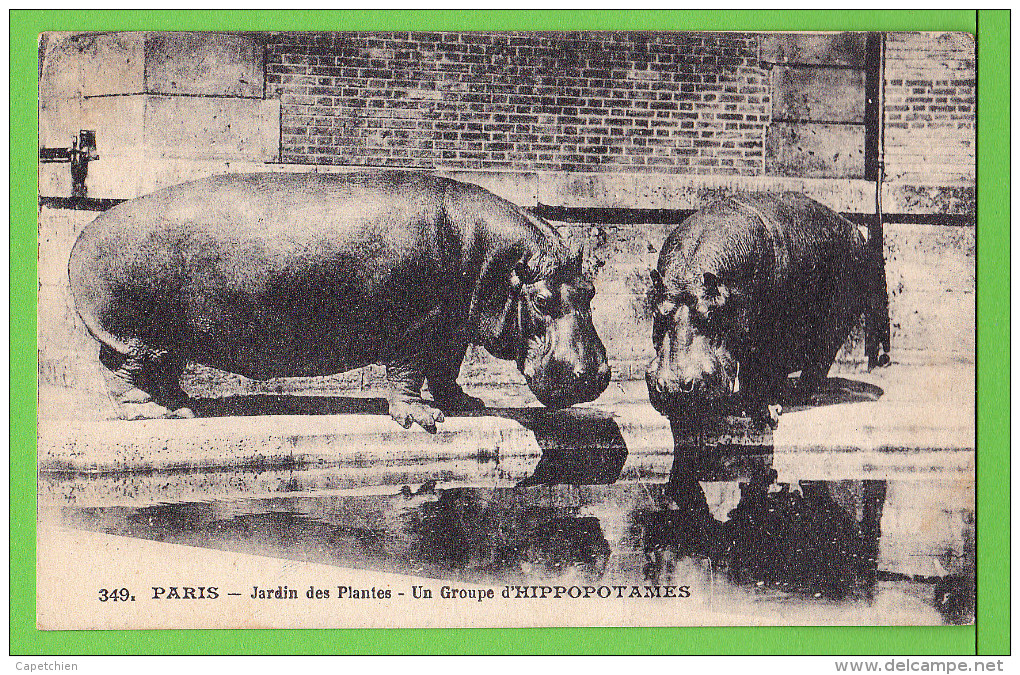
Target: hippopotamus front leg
417 352
407 406
428 349
761 389
442 370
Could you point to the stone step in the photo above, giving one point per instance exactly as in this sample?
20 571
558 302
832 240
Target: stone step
903 428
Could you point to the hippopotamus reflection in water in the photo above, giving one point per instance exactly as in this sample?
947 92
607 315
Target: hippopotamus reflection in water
790 538
477 534
288 275
751 289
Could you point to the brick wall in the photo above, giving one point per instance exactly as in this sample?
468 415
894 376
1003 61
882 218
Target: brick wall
930 107
669 102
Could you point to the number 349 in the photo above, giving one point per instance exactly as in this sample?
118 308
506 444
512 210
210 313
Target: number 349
115 595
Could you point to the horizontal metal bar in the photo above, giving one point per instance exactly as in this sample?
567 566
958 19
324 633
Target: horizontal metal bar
571 214
170 95
626 216
610 216
955 219
797 120
47 155
816 66
79 203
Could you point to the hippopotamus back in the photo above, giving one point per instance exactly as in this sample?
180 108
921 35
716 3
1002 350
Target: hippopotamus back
268 275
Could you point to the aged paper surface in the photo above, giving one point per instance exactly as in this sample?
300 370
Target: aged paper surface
322 491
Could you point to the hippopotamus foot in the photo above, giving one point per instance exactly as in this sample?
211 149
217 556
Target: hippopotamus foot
145 385
762 388
442 376
151 410
765 415
408 410
135 404
407 407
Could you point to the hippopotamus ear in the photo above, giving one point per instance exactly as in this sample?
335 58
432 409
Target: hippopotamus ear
493 307
715 290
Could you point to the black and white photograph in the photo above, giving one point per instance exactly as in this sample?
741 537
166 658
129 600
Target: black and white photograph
505 329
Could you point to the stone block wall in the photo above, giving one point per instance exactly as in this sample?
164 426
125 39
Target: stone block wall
164 107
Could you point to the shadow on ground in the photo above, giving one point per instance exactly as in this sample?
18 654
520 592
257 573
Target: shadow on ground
833 391
836 390
579 445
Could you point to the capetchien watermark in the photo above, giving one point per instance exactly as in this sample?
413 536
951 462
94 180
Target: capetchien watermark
37 666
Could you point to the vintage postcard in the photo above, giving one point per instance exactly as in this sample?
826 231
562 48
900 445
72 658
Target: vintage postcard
505 329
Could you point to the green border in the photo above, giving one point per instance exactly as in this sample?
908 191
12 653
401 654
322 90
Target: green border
993 546
993 349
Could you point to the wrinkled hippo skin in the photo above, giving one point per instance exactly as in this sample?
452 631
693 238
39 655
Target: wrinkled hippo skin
288 275
763 285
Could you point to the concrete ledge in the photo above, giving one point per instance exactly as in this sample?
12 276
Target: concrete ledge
901 423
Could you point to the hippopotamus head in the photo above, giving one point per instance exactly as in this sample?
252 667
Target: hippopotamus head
699 323
546 326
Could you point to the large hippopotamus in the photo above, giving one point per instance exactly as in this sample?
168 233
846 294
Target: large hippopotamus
751 289
287 275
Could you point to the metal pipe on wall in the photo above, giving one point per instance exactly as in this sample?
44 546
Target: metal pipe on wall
877 329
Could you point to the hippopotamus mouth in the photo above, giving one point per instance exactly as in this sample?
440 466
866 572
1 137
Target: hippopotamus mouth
566 389
697 398
562 357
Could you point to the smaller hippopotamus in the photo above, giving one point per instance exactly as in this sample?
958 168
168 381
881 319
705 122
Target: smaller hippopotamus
747 291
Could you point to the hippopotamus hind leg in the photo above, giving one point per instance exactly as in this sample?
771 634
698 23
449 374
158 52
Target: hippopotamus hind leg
811 378
145 383
819 361
816 370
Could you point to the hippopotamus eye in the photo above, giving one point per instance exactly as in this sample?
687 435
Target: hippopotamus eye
543 303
